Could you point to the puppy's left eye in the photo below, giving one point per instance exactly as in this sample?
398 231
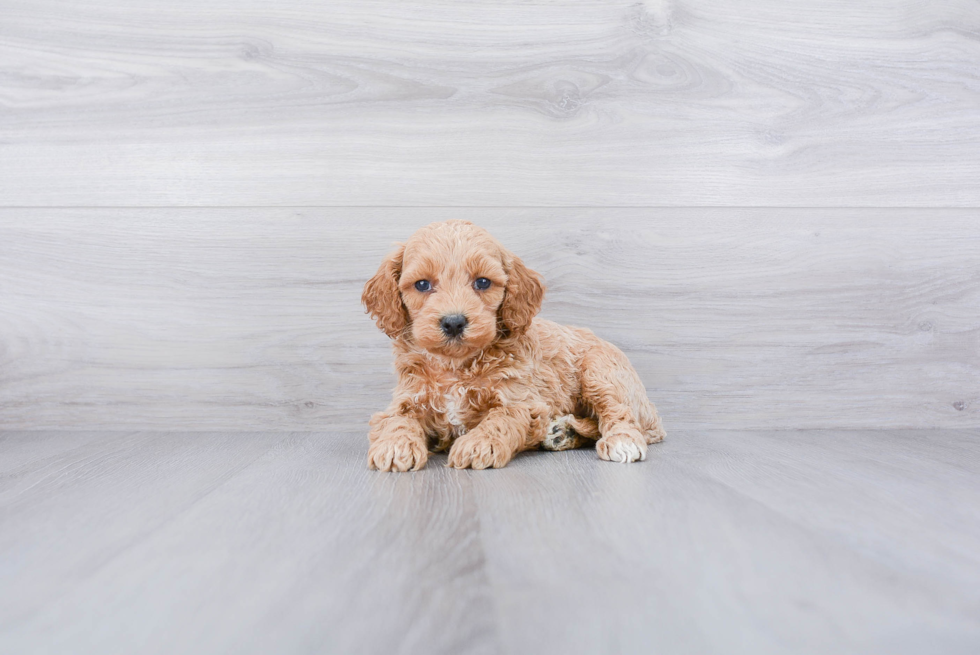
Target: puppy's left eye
481 284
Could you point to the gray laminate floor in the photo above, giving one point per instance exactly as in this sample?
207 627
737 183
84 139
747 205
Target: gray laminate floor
811 541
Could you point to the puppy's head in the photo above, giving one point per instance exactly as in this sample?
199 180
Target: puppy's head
453 290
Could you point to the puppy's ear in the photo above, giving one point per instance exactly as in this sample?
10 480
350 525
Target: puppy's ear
381 297
522 297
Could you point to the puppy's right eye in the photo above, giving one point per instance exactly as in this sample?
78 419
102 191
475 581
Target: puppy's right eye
423 285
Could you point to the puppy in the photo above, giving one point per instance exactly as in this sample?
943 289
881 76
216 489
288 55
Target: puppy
480 375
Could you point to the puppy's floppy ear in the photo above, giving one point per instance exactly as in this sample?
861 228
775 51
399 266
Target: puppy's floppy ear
381 297
522 297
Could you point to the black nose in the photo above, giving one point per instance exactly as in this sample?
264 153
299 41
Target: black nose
453 325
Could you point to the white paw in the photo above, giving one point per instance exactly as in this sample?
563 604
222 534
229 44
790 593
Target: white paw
625 453
620 448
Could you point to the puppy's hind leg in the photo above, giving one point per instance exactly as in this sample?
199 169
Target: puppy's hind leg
653 427
615 393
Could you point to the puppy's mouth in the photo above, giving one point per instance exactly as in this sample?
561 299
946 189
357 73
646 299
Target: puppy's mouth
456 344
454 335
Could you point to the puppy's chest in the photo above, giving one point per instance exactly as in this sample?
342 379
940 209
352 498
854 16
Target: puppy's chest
457 409
452 407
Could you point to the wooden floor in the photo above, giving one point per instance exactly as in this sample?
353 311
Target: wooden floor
755 542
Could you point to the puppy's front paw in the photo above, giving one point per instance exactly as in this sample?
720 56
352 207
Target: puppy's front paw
622 447
397 453
479 452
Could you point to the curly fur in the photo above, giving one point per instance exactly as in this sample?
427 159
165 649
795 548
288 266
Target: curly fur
510 380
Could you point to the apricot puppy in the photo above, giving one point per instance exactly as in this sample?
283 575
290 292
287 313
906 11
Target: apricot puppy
480 375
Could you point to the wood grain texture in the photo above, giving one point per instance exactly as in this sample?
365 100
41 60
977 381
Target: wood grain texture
251 319
167 543
754 542
573 103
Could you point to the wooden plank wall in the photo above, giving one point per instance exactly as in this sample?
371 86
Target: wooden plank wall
771 206
250 319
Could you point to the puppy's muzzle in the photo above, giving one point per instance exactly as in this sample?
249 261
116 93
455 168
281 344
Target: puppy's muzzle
453 325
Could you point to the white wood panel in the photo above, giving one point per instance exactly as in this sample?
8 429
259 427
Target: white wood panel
240 319
590 103
721 542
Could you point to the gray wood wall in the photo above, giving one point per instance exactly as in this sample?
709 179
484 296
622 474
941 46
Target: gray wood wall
771 206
